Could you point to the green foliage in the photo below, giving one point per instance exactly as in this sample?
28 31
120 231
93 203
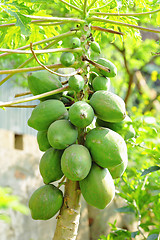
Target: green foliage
10 201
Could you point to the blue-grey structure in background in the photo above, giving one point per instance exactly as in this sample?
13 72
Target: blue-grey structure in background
15 119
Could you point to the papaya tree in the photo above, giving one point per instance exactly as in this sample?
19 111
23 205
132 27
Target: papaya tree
79 118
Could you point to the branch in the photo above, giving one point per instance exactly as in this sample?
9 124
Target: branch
39 96
71 6
59 37
130 74
123 24
41 51
79 70
106 30
124 14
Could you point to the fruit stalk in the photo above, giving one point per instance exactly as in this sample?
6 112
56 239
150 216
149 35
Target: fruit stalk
68 218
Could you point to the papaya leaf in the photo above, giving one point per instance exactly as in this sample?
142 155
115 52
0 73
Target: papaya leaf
150 169
21 22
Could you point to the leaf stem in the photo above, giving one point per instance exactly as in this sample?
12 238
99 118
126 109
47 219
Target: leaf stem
85 8
124 14
31 58
58 37
71 6
106 30
22 94
41 51
101 6
79 70
22 106
21 70
123 24
39 96
55 19
92 3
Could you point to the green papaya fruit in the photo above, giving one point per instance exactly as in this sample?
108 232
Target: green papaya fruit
117 171
45 113
76 162
101 83
43 141
67 59
95 47
43 81
92 75
45 202
75 42
61 134
50 165
106 63
108 106
107 148
98 187
81 114
76 83
124 128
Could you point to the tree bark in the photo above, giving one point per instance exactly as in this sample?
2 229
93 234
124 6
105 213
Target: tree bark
68 218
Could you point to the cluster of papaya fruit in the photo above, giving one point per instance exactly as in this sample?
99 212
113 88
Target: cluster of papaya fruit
102 156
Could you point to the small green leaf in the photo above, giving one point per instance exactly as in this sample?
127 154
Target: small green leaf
125 209
134 234
153 236
150 169
5 218
21 22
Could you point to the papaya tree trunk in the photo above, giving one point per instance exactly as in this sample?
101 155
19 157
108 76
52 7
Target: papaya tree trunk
68 218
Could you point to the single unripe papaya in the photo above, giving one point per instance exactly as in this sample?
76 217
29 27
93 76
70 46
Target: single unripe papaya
75 42
76 162
43 81
107 148
106 63
98 187
43 141
45 113
81 114
50 165
61 134
101 83
118 170
76 83
124 128
67 59
92 75
95 47
108 106
45 202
